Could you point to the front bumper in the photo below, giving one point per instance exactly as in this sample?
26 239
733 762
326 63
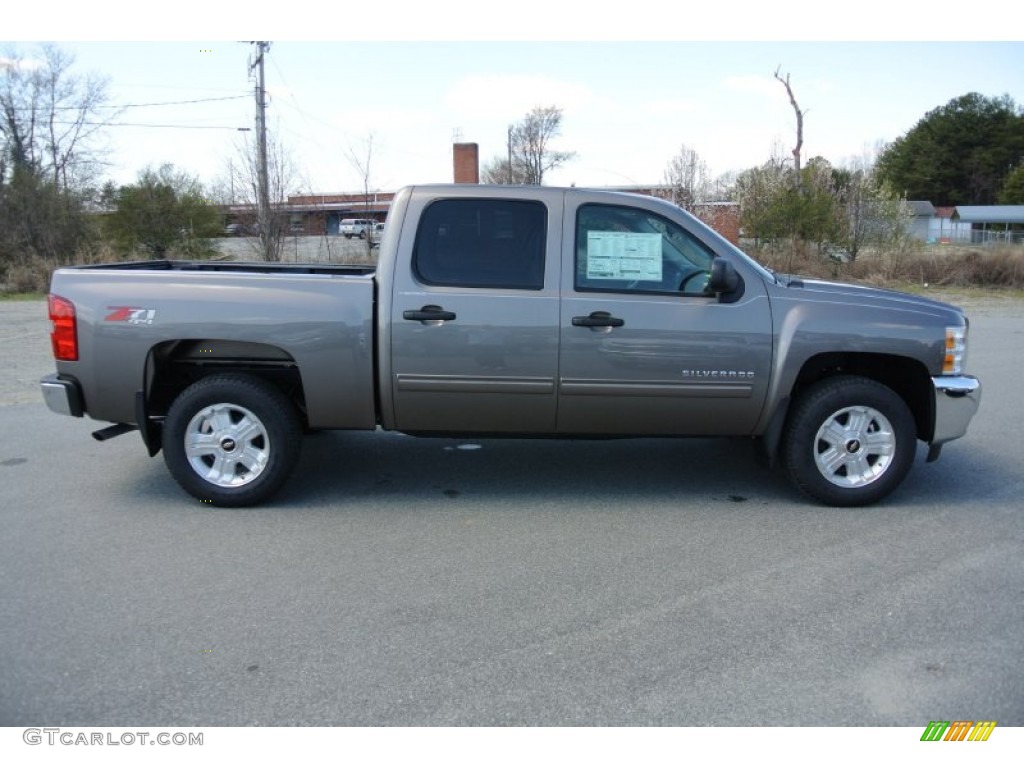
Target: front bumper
62 395
956 401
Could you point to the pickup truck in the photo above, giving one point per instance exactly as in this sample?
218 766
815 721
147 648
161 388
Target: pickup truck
511 312
355 228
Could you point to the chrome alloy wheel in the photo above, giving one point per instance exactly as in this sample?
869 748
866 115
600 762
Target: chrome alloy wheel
227 445
854 447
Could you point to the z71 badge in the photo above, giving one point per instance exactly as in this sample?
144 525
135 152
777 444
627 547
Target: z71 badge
133 315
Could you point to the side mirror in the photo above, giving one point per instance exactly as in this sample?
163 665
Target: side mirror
724 278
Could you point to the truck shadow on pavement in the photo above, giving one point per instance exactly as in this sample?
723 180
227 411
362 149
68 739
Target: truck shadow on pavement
389 466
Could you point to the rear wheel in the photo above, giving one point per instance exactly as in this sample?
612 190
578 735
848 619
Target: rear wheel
231 440
849 441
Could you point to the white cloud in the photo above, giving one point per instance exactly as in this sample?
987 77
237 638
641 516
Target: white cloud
509 97
759 84
361 121
670 107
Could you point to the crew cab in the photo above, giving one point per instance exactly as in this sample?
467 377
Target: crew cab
511 312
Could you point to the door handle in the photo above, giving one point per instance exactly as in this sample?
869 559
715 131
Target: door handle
598 320
428 313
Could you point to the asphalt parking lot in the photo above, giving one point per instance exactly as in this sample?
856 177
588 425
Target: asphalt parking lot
404 581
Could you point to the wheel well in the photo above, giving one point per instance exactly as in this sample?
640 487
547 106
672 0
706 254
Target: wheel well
172 366
906 377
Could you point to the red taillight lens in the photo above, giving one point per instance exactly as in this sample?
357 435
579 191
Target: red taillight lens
63 328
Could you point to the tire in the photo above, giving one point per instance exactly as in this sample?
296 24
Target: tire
231 440
849 441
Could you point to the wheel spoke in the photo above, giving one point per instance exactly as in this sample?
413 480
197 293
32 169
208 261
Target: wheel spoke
200 444
832 460
858 470
248 430
222 471
221 418
833 434
253 458
857 421
879 443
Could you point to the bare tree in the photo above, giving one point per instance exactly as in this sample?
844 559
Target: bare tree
361 162
49 123
723 187
871 213
50 118
529 154
799 123
686 177
531 140
242 187
498 171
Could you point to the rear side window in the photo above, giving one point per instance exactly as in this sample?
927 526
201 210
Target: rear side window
482 244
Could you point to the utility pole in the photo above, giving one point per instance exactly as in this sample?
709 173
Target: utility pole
509 145
263 203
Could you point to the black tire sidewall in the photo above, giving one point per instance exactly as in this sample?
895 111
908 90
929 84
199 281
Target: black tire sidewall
811 411
261 398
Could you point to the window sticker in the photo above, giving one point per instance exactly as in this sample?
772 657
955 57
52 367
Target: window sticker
623 256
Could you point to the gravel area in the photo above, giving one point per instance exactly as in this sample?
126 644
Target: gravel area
326 249
24 350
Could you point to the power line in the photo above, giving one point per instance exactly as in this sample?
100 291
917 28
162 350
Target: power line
127 106
156 125
169 103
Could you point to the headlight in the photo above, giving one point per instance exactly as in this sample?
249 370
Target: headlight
956 351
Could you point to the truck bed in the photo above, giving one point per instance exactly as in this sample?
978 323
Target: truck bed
240 266
136 317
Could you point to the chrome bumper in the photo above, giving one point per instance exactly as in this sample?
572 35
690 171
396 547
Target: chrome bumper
62 395
956 401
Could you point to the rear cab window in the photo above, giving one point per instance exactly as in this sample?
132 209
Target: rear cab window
482 243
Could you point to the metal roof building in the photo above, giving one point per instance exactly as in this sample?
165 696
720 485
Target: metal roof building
993 223
990 214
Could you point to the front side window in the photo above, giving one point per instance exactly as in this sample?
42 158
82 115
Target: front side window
619 248
482 244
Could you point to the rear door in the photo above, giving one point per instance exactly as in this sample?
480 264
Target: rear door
474 321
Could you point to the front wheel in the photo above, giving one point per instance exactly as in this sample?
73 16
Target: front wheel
231 440
849 441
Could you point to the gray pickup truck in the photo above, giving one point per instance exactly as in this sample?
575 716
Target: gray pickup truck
511 312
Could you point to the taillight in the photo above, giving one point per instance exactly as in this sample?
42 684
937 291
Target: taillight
63 328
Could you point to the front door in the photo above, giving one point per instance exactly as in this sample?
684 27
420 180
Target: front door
643 350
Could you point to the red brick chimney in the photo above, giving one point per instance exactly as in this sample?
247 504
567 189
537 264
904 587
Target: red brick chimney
466 162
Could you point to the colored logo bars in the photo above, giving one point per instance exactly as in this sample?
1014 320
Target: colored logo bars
958 730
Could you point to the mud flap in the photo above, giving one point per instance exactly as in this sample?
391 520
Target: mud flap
150 429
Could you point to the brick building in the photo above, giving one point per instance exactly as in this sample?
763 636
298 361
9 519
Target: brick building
322 214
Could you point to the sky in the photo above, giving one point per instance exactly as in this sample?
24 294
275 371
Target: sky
628 104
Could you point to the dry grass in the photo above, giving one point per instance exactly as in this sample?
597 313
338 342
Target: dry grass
32 275
936 266
993 267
